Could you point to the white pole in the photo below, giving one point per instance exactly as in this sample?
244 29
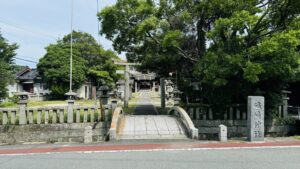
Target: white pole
98 23
71 57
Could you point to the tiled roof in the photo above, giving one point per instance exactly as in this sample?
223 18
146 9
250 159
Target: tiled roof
28 74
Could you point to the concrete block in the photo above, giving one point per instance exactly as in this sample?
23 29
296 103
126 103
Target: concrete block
222 133
88 134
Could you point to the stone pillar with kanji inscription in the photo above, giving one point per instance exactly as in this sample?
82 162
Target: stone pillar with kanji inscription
256 115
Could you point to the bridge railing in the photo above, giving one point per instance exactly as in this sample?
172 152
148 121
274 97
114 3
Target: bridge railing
294 112
185 118
118 112
49 115
199 111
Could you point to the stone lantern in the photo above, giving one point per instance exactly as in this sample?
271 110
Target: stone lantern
71 101
114 99
176 94
285 100
103 94
71 95
23 97
23 100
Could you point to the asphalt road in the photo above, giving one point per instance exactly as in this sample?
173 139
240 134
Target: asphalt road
262 158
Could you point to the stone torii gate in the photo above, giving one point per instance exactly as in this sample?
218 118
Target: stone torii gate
127 78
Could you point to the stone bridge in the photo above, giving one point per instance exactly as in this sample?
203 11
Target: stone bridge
146 123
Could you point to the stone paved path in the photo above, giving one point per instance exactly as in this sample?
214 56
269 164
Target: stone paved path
144 105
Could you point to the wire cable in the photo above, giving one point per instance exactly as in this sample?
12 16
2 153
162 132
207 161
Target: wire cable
26 60
8 23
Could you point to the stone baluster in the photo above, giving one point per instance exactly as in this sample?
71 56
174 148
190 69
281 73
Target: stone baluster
4 117
13 117
210 113
197 113
77 115
92 115
54 116
231 113
225 116
39 116
244 115
238 113
204 113
61 115
85 115
46 111
191 112
30 116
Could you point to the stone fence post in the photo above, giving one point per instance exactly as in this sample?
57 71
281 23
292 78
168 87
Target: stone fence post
23 100
71 96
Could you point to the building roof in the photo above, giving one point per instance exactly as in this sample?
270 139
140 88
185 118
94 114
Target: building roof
28 74
142 76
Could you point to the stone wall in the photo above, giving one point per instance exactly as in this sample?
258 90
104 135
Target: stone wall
50 133
208 129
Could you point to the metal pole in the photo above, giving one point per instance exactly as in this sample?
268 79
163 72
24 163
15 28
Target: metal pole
71 57
98 23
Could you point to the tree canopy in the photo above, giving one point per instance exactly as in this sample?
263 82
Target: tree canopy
7 52
90 63
234 48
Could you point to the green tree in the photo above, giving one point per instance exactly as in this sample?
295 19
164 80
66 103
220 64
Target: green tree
90 62
234 48
54 69
99 61
7 52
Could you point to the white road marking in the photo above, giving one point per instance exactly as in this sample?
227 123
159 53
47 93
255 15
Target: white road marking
153 150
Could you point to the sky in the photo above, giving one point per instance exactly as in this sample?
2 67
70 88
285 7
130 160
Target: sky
34 24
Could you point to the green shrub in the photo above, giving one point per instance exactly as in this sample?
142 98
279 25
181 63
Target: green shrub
14 99
285 121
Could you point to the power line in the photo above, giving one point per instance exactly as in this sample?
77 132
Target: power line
23 56
26 60
8 23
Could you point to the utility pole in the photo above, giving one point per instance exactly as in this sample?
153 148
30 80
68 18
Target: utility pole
127 80
98 23
71 54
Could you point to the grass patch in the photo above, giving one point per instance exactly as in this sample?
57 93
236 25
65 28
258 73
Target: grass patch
59 102
8 104
296 137
129 109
